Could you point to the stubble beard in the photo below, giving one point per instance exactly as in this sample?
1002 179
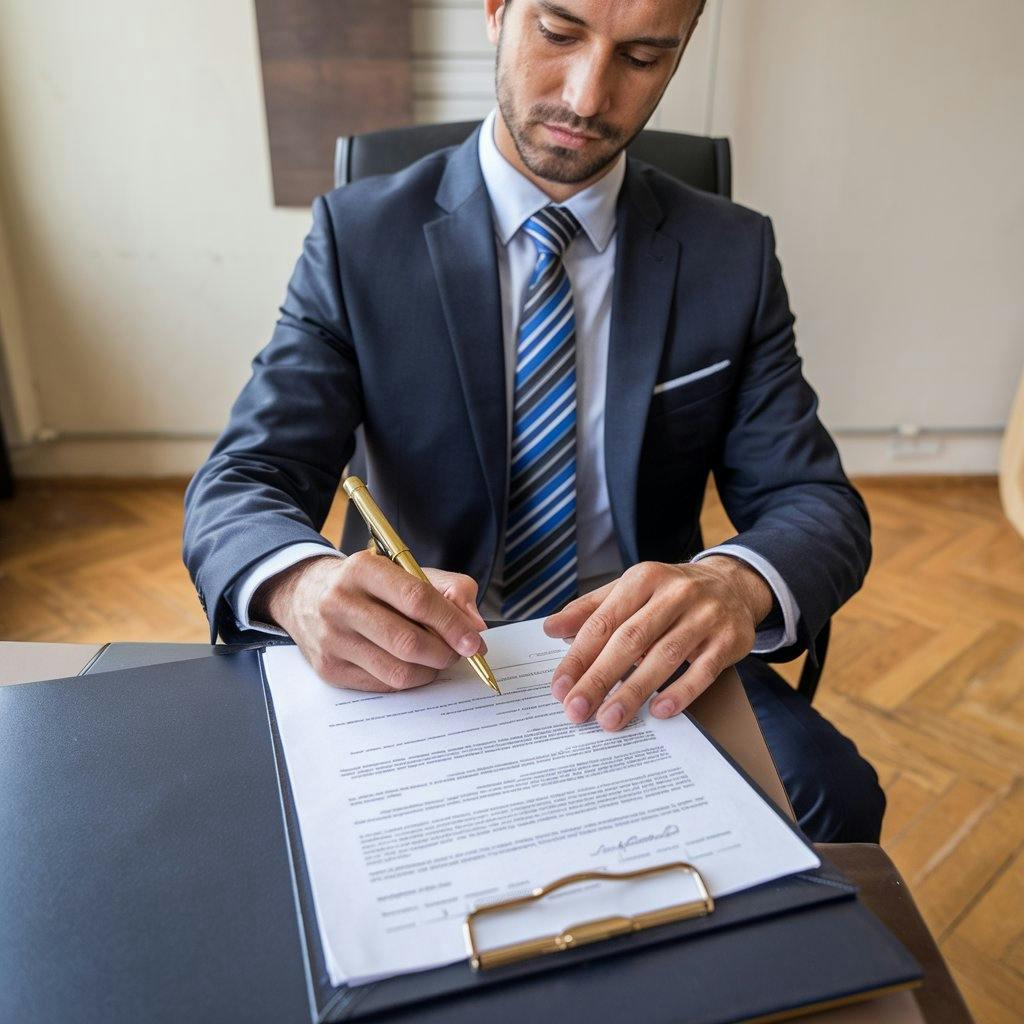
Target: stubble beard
556 163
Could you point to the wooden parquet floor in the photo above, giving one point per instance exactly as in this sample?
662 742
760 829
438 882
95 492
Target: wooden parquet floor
925 672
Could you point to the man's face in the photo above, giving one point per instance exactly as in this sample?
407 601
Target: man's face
578 79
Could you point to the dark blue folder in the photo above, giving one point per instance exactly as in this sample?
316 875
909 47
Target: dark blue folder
151 868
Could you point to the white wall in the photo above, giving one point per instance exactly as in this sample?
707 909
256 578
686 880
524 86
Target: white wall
146 259
884 139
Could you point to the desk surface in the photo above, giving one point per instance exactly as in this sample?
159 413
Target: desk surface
726 714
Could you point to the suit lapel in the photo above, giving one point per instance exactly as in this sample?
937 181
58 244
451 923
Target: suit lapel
646 262
462 249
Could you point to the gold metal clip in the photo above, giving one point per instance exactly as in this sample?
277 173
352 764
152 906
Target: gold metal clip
587 931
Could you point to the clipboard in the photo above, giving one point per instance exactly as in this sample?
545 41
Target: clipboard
807 941
237 934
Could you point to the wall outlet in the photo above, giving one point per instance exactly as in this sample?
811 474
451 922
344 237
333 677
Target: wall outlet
915 446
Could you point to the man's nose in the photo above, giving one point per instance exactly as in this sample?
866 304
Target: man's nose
586 90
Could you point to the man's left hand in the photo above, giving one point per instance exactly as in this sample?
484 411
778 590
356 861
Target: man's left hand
654 617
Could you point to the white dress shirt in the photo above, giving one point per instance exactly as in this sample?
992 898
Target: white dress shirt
589 262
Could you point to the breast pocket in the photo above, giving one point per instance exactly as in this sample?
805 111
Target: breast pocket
686 412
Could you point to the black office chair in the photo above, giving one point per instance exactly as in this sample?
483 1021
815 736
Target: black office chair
697 160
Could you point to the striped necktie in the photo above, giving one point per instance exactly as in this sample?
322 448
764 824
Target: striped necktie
540 533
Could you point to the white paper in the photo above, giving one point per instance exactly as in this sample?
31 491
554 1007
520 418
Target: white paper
415 807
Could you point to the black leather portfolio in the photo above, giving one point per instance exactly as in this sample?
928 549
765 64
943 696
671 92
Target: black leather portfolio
151 869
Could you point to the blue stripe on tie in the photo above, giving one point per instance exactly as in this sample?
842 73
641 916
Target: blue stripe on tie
541 547
545 407
557 302
535 504
522 484
534 500
563 511
536 319
538 355
556 316
559 336
538 286
546 235
542 596
537 558
554 370
538 581
544 238
545 260
535 452
518 550
532 450
552 420
557 600
562 223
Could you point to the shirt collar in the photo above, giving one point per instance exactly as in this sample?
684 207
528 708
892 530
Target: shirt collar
514 198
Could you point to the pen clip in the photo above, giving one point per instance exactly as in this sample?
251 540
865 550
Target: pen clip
375 537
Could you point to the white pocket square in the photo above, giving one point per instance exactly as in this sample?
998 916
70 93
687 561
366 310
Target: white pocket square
687 378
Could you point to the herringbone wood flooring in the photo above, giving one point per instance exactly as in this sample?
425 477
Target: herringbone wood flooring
925 672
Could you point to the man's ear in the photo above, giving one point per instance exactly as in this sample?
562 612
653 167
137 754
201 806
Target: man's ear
495 12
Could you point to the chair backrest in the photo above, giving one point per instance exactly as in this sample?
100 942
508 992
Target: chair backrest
697 160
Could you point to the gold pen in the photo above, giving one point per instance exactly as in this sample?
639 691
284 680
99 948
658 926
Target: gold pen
389 543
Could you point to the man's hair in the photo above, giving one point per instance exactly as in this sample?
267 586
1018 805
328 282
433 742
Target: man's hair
696 15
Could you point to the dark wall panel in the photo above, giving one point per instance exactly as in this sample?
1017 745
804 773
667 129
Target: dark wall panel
330 68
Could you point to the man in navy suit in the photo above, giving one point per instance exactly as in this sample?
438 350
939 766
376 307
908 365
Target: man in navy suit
548 348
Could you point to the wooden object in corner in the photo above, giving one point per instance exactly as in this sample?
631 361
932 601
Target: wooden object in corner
330 68
1011 464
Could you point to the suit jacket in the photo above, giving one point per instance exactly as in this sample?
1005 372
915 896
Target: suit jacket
392 322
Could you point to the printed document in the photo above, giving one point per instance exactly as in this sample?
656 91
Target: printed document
415 807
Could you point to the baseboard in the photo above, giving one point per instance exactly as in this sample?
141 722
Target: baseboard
928 455
936 455
110 459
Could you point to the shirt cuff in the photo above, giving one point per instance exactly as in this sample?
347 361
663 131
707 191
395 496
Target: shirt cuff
771 638
240 595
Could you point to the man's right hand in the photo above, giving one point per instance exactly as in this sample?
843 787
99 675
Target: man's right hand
365 624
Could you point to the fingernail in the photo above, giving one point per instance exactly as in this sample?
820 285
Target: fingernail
579 708
483 646
469 644
560 687
611 716
663 708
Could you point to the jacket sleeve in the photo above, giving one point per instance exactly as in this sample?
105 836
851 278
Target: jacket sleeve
272 475
779 474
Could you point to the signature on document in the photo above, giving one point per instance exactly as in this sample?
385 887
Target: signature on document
624 845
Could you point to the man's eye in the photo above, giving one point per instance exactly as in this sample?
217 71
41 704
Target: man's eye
553 37
637 62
